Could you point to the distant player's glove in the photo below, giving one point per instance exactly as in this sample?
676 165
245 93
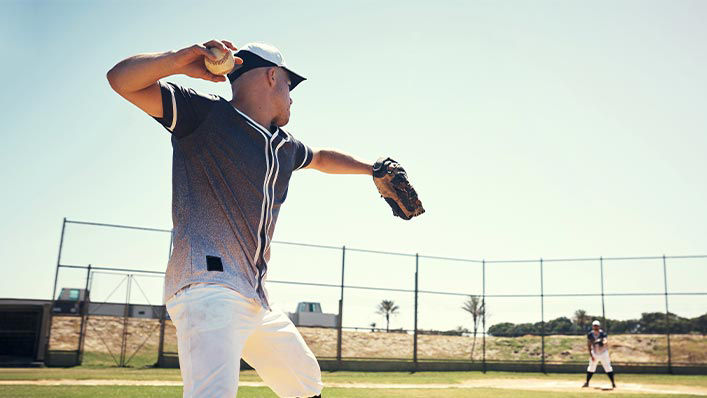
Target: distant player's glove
392 183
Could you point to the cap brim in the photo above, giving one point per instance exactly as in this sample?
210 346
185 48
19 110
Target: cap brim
295 79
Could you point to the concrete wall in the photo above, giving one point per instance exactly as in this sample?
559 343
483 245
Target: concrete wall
314 319
62 359
442 366
118 309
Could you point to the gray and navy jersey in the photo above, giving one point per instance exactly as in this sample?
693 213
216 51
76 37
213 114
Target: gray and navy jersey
229 179
597 341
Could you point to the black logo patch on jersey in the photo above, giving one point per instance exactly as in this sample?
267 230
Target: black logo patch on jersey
214 264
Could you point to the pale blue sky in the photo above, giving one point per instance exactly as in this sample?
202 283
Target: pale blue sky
530 129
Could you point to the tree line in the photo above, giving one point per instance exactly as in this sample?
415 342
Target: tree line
648 323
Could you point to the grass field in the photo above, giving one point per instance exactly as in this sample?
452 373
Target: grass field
19 383
264 392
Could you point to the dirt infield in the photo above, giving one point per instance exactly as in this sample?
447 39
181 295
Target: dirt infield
508 384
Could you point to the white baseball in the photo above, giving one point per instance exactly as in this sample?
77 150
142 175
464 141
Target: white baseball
223 64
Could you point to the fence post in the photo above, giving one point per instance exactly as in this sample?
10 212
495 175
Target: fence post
542 318
667 316
160 346
341 307
414 344
483 314
84 315
53 298
163 314
126 315
601 281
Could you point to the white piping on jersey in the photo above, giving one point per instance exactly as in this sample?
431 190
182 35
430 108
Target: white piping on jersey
257 126
275 166
262 205
267 198
266 134
268 202
174 109
306 155
274 182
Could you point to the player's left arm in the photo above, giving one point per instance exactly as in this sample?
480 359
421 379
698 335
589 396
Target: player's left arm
332 161
388 175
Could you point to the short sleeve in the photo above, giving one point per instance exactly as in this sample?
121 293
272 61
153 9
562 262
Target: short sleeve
303 154
183 108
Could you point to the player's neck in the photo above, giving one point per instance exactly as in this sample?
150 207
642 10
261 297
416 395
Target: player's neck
257 111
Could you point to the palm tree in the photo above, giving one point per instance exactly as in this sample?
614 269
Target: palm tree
581 318
387 308
477 309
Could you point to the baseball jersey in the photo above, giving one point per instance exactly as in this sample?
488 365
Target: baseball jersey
596 341
229 179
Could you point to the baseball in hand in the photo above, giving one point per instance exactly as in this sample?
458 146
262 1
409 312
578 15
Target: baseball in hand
223 64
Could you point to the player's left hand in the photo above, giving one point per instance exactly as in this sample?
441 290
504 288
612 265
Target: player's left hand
393 185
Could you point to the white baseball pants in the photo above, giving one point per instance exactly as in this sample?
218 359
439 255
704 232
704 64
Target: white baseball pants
216 326
605 362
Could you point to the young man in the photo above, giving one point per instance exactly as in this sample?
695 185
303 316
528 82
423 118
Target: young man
232 163
598 352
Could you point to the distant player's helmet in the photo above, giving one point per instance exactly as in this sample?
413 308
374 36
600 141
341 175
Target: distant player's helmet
596 323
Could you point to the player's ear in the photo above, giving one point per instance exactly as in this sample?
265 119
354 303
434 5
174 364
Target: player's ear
272 76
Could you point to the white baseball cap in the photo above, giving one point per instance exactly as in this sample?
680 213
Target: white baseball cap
596 323
258 55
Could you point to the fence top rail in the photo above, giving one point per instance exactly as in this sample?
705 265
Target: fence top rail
100 268
151 274
113 270
96 224
282 242
550 260
352 249
463 260
479 261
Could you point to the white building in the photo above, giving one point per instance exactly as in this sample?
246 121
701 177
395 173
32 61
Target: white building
310 314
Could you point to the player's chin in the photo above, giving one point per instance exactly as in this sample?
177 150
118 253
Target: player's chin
282 120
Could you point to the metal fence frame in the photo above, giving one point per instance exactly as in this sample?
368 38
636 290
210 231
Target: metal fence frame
600 261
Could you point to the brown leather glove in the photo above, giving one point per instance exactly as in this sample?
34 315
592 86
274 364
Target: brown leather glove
392 183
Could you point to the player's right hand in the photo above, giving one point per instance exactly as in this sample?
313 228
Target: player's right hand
190 60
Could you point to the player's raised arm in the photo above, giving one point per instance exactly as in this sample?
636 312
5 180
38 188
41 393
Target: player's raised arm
135 78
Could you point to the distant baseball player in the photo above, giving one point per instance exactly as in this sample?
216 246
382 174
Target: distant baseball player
598 346
231 167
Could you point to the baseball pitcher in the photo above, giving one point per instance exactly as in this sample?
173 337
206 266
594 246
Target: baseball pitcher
231 167
598 346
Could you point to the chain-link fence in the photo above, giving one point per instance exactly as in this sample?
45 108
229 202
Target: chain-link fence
408 307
